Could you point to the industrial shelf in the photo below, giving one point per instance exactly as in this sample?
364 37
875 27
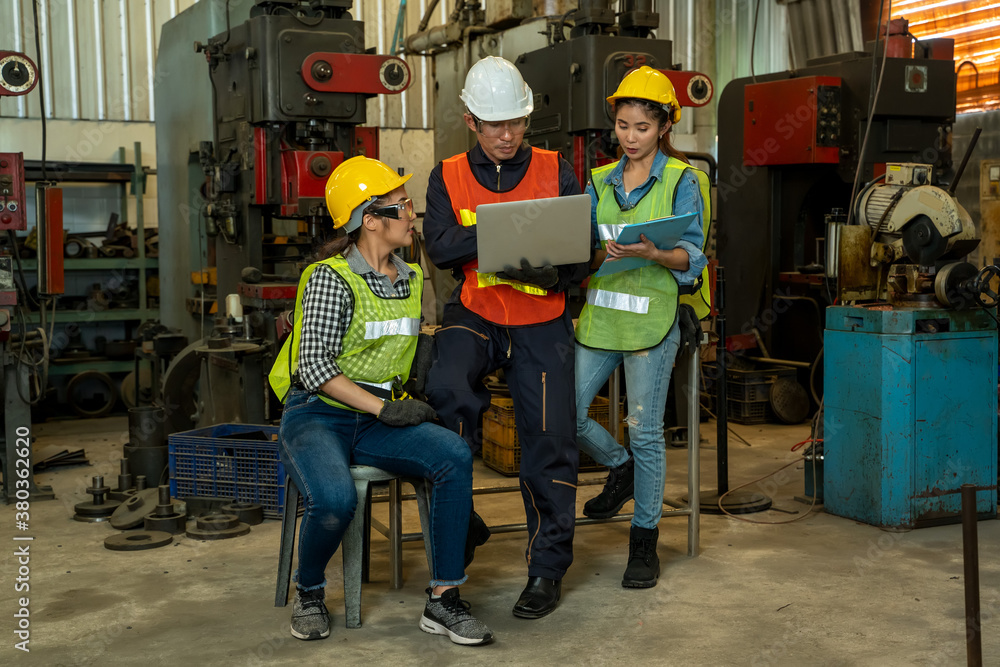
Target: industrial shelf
99 263
103 365
109 315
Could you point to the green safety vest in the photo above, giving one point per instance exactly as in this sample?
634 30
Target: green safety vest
631 310
380 341
701 300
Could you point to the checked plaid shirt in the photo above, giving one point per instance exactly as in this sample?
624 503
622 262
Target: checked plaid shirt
327 309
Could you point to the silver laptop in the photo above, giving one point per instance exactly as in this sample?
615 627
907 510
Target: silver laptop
555 231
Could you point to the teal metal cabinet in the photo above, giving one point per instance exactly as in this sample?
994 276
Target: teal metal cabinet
910 414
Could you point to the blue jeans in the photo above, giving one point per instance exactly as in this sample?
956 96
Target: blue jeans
647 376
318 444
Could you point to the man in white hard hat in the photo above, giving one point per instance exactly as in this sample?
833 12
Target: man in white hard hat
516 320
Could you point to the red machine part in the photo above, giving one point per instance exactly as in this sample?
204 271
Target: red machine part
51 279
366 142
260 165
303 176
900 44
792 121
355 73
940 48
12 191
18 74
268 291
693 89
304 173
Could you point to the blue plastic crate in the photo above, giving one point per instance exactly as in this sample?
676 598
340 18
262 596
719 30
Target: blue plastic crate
204 463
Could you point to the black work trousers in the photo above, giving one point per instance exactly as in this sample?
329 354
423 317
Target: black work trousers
538 363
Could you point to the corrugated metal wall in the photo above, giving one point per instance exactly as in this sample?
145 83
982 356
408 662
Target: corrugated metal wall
413 109
734 20
98 56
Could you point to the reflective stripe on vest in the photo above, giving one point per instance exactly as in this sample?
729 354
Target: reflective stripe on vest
504 302
618 301
642 303
404 326
609 232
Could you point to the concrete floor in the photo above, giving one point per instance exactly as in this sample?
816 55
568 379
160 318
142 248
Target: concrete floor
820 591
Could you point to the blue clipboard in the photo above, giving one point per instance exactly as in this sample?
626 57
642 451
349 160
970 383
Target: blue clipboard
663 232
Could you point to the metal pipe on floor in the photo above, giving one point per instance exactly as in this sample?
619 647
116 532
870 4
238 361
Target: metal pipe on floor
721 407
970 558
782 362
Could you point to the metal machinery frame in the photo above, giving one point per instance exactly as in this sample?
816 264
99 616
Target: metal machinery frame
16 454
789 145
288 88
19 76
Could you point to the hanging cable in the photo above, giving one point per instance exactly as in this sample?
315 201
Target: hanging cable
41 88
874 90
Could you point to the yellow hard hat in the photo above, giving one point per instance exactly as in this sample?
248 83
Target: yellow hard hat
356 181
650 84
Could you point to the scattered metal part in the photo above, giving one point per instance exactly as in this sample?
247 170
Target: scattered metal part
175 523
100 508
138 541
201 534
218 522
789 400
164 517
92 393
202 505
140 483
251 514
134 510
124 483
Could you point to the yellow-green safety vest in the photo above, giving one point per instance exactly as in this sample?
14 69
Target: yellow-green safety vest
701 300
380 341
632 310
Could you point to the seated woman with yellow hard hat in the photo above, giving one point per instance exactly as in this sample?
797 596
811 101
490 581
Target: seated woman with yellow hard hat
357 318
631 317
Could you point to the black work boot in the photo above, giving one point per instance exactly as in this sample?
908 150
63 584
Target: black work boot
643 564
617 491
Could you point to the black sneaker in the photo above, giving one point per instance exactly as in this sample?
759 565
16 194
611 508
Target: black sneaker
643 567
449 615
310 619
618 490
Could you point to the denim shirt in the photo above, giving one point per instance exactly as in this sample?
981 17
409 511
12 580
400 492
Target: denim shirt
687 200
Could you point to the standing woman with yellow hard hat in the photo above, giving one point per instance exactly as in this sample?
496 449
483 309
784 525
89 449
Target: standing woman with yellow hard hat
631 317
357 318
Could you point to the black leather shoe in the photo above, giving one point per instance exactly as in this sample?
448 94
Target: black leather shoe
539 597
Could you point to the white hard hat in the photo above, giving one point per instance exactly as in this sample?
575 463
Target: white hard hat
495 91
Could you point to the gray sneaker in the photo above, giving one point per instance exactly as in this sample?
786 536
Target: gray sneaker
310 619
449 615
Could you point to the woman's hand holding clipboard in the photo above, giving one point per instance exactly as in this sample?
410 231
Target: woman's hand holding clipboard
634 242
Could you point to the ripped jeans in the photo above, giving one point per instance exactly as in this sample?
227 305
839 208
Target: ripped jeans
647 377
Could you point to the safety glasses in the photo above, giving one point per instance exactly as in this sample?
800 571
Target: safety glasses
494 130
392 211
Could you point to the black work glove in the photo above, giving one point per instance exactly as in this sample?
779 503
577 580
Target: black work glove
406 412
545 277
422 359
690 327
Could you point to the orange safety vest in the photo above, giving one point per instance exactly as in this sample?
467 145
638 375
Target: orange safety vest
505 302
